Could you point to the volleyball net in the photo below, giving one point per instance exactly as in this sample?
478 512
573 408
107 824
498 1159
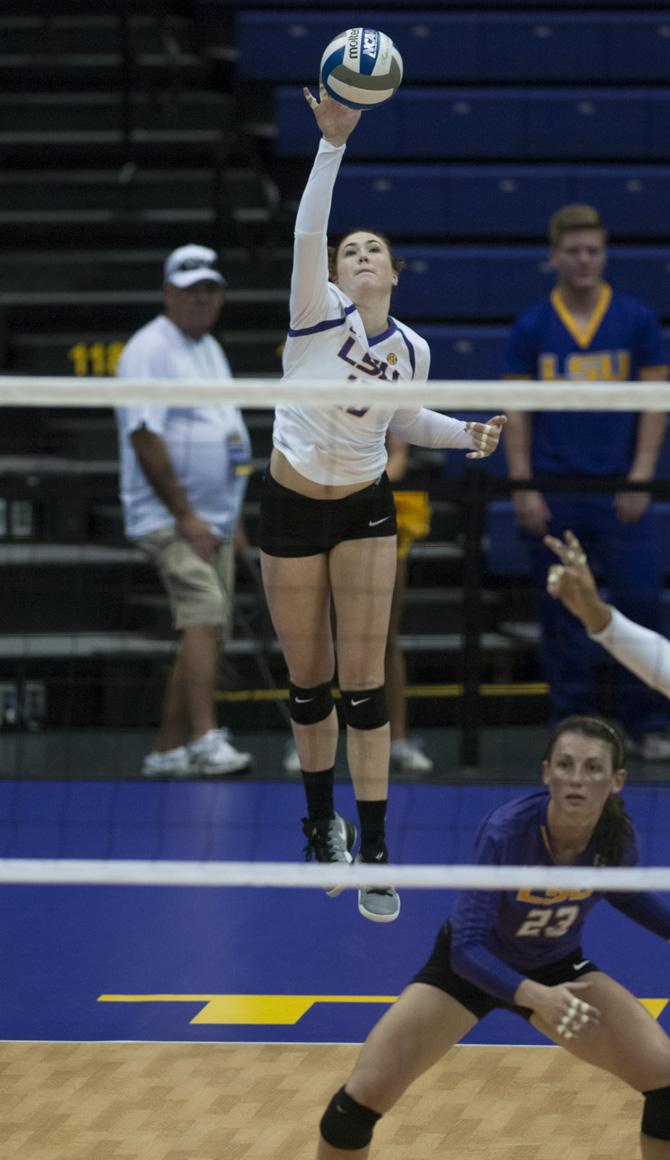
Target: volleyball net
73 807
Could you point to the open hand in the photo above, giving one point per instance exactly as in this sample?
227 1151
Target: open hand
335 121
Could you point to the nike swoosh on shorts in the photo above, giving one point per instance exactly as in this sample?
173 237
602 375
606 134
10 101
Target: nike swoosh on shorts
373 523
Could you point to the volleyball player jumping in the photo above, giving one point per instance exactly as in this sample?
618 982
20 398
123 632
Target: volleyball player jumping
327 527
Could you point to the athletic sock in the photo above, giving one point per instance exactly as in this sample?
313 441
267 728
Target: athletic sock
373 828
319 794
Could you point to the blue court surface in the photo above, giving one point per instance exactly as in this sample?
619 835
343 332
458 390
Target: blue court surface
188 964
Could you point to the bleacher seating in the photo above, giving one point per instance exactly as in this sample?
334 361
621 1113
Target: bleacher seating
506 112
215 7
449 201
443 47
518 123
493 282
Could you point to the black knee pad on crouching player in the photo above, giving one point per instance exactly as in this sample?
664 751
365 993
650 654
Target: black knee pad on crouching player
656 1115
347 1124
365 708
309 706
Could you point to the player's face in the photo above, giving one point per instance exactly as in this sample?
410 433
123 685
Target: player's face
579 259
195 308
364 267
580 776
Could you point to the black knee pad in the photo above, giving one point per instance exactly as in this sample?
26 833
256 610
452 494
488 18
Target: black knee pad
347 1124
656 1115
365 708
309 706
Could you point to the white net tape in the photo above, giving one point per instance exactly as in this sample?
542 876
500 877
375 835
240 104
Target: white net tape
494 396
119 872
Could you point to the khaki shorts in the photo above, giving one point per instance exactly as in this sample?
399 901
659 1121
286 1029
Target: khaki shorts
200 593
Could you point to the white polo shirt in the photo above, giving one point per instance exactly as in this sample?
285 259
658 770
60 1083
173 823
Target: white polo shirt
209 447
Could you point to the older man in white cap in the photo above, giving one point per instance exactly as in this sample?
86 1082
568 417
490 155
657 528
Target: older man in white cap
183 476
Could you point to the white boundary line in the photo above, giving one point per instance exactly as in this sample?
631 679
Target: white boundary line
283 1043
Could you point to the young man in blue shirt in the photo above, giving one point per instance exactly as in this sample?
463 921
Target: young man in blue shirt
586 331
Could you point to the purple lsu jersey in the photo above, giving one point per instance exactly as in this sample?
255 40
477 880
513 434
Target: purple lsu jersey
498 936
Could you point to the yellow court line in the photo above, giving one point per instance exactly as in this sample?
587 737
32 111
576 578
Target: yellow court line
277 1009
251 1009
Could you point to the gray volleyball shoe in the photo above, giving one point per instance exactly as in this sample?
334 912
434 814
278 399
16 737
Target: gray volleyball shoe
330 841
377 903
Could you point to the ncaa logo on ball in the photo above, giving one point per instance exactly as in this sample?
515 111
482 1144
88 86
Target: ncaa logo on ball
361 68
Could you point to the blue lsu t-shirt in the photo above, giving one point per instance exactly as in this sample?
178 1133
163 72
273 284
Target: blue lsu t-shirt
623 339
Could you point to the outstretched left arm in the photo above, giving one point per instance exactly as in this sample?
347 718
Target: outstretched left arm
427 428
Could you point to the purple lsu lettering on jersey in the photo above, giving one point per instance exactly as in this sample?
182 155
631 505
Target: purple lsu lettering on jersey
528 928
366 364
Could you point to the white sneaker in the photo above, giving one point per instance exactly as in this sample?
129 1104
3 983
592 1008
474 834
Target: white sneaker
213 755
408 757
291 761
653 747
170 763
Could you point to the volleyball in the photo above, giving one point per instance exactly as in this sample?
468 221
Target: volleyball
361 68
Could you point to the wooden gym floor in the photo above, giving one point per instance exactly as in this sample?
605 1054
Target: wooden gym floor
263 1102
208 1024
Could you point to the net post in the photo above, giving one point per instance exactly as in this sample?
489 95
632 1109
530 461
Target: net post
475 498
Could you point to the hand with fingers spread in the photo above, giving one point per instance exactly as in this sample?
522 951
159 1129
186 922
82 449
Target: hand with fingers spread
572 582
485 436
335 121
560 1007
570 1014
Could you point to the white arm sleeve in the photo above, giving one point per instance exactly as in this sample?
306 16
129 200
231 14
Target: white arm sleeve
644 652
309 278
429 429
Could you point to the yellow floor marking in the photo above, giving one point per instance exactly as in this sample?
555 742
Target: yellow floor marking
654 1006
278 1009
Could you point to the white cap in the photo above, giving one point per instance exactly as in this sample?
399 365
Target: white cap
189 264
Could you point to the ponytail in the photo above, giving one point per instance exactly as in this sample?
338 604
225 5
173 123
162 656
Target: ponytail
614 832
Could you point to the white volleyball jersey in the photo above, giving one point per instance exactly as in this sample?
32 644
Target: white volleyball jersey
327 340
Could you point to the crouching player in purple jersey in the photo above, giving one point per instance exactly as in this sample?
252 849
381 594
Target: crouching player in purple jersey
522 950
327 524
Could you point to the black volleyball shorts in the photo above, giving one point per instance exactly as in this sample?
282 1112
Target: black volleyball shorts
296 525
438 972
